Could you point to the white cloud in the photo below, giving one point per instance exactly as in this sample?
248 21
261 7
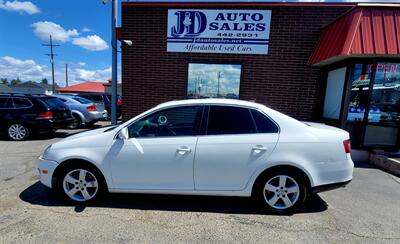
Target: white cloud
93 75
21 7
11 68
81 64
44 29
85 29
92 43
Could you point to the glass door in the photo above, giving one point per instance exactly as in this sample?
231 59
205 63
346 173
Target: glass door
382 129
358 102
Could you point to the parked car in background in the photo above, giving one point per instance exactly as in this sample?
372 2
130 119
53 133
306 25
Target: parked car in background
23 115
84 111
104 98
203 147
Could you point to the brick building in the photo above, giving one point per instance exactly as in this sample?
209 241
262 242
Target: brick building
312 61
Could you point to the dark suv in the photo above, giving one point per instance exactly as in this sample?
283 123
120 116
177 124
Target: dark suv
22 115
104 98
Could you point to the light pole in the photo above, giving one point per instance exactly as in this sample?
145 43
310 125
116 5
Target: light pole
114 81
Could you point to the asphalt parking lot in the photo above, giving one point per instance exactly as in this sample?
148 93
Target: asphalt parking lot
366 211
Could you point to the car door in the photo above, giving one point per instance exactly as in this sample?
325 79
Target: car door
7 114
160 151
233 147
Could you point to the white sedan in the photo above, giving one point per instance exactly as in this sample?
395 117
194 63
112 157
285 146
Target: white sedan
203 147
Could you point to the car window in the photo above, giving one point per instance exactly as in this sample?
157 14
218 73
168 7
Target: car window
181 121
96 98
21 102
82 100
263 123
5 102
230 120
53 102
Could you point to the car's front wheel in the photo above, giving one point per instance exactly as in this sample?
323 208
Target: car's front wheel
281 192
17 132
80 184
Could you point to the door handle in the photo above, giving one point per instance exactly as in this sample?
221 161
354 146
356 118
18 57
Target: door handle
259 148
184 149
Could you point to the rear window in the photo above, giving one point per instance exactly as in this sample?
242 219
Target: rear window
230 120
5 102
82 100
53 102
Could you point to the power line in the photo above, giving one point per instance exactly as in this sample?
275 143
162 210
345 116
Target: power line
51 55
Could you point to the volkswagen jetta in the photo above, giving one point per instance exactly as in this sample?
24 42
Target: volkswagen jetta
204 147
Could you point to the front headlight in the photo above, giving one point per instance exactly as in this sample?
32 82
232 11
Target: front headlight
46 152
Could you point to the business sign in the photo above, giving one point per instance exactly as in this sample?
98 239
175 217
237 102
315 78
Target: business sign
218 31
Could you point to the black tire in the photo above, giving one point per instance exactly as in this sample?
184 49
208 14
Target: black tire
77 122
265 197
92 173
17 132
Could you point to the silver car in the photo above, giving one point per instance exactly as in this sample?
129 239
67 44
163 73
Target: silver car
84 111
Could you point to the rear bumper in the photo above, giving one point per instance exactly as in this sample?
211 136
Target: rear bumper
329 187
91 117
46 125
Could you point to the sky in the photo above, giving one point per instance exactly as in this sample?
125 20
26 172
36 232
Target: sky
80 27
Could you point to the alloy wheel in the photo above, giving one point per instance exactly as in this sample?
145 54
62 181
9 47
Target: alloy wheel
80 185
281 192
17 132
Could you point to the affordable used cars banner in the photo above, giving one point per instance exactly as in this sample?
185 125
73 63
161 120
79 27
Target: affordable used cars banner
218 31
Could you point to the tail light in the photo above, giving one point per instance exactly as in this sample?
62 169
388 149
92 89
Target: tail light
45 115
119 102
346 144
91 108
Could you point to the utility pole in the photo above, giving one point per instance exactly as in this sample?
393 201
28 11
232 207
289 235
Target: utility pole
51 54
114 81
66 75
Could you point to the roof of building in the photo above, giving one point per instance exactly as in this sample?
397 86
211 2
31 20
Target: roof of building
35 85
90 86
230 3
365 31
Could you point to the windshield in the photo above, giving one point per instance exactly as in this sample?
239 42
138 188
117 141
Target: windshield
82 100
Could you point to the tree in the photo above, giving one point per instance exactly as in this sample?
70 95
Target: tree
45 81
15 82
4 81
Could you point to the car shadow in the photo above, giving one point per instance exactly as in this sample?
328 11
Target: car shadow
37 194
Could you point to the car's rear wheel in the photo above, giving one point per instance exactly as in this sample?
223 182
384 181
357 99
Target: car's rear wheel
281 192
77 122
17 132
80 184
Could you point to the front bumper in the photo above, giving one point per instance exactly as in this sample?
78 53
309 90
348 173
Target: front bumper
46 169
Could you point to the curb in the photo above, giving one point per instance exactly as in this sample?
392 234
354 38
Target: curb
389 164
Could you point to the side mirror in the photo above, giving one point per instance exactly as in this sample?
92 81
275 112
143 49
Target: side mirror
123 134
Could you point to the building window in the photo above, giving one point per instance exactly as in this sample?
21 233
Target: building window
213 80
359 92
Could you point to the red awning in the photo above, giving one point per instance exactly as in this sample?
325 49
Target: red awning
365 31
90 86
